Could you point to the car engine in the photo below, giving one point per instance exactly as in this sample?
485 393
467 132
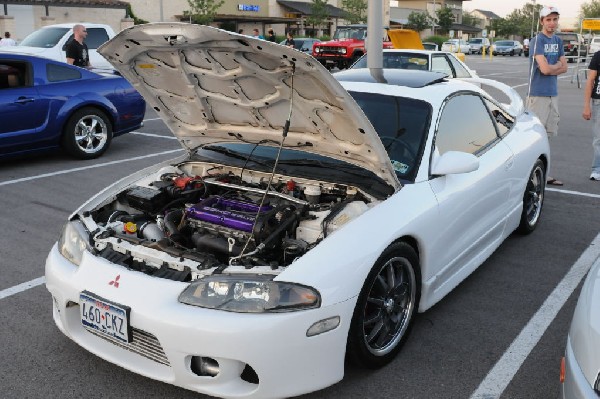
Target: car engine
202 220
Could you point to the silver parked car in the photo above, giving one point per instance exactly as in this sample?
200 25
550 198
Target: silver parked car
507 47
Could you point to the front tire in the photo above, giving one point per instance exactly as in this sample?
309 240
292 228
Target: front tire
385 307
533 199
87 134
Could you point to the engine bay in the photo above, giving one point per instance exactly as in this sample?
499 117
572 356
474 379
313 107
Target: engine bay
194 219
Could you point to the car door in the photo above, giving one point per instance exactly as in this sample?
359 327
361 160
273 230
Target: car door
21 112
472 206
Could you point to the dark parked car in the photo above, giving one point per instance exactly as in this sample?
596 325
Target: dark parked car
46 104
573 45
304 44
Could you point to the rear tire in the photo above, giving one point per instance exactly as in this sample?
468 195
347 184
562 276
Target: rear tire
87 134
533 198
385 307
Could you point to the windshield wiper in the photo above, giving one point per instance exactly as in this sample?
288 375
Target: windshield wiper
315 163
233 154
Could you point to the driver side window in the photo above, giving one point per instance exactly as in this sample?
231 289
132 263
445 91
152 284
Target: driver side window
465 125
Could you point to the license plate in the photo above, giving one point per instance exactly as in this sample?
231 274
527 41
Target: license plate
104 316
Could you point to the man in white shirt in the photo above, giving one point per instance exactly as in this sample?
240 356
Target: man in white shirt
7 41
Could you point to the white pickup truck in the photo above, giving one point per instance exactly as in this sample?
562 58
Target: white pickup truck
50 42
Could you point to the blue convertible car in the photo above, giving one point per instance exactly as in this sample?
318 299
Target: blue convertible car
46 104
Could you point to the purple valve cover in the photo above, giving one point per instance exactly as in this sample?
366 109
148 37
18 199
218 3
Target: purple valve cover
230 213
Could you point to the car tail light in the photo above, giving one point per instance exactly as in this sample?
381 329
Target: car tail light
562 370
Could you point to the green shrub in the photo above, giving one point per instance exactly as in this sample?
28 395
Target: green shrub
439 40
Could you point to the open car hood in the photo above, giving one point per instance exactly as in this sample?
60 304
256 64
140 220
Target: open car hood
212 86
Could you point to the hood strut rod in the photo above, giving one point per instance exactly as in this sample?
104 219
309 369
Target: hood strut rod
284 133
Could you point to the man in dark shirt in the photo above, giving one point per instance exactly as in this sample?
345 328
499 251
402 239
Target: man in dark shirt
290 40
271 35
77 50
591 110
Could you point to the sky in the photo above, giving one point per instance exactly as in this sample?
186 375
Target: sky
567 8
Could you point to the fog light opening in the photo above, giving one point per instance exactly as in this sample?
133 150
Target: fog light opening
204 366
322 326
249 375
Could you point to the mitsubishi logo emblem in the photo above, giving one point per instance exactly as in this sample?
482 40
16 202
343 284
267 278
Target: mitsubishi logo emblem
115 282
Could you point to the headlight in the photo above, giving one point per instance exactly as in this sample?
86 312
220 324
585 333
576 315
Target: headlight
73 240
317 49
249 294
343 50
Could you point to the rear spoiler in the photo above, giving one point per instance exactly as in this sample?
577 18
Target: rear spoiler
515 107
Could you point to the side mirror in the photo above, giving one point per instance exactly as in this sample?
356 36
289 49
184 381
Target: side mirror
453 162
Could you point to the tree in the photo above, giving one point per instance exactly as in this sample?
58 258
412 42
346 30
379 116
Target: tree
445 18
203 12
589 10
318 13
356 10
136 20
470 19
418 21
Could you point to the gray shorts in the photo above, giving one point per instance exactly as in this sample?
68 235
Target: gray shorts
545 108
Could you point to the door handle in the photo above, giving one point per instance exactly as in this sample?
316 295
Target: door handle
24 100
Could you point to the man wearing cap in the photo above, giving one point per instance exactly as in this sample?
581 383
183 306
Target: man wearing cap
548 61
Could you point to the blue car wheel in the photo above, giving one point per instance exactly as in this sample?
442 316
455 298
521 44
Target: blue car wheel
87 134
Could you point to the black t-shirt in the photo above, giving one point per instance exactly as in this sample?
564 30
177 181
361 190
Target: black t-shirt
271 38
79 52
290 42
595 66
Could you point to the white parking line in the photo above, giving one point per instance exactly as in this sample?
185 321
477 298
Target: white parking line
505 369
154 135
62 172
558 190
22 287
152 119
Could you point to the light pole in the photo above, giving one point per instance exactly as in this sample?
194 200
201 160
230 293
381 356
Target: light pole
433 20
532 19
161 11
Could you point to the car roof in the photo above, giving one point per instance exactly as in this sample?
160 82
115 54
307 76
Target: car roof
72 24
395 77
415 51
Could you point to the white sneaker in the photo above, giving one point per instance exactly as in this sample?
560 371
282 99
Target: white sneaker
595 176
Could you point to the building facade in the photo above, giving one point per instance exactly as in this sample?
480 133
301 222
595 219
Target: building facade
21 17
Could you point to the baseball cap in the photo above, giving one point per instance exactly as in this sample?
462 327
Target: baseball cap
547 11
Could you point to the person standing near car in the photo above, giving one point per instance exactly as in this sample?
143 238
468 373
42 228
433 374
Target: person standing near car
77 51
547 62
7 41
271 35
289 41
591 110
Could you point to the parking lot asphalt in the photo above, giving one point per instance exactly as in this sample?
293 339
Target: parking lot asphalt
468 345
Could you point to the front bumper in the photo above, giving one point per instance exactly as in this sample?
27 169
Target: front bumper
575 386
275 346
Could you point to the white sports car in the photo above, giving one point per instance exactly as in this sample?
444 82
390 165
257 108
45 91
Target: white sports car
309 221
580 368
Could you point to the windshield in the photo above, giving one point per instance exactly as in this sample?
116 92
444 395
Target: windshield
475 41
44 38
402 125
505 43
350 33
399 61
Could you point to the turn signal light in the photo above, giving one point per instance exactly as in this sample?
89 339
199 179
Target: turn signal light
562 370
